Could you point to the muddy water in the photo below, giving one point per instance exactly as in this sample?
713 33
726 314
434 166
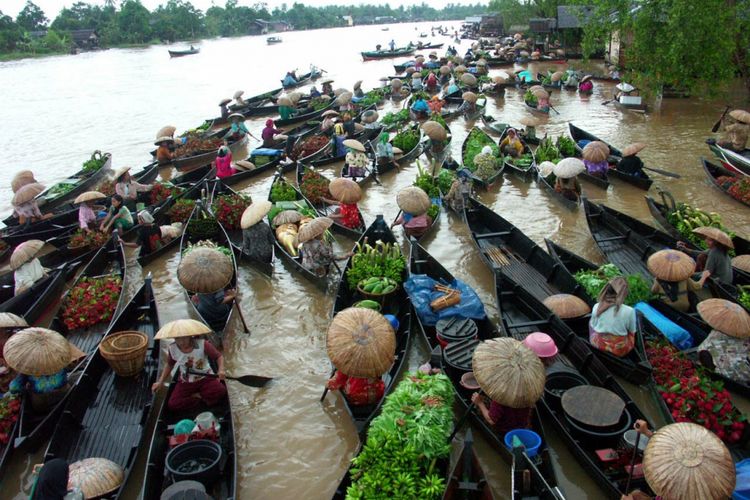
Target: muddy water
290 445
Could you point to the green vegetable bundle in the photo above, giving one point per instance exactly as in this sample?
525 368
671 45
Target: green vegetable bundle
93 164
437 117
396 119
59 189
547 151
474 144
318 103
524 161
530 99
566 146
405 441
686 218
593 282
382 260
445 179
406 140
202 229
426 182
375 96
282 191
744 296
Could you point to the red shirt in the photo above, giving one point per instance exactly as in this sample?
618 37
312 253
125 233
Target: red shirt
224 166
506 418
349 215
359 391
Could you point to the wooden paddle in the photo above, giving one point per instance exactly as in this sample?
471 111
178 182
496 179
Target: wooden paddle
607 102
248 380
325 391
242 317
716 126
632 462
663 172
553 109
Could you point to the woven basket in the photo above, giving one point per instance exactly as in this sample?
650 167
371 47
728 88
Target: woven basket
125 352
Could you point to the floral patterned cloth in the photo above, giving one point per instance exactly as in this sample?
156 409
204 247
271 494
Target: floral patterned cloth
39 385
599 169
350 215
317 256
619 345
729 355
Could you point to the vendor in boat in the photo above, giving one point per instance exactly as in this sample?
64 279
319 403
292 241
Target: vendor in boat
271 136
52 482
28 212
329 120
715 261
347 194
630 164
587 85
421 109
257 236
384 151
26 267
432 83
416 82
290 79
215 307
223 107
87 218
355 161
528 133
326 87
238 129
570 188
469 104
358 92
392 45
511 145
435 104
128 188
223 163
286 108
317 253
350 128
726 348
149 237
613 324
672 271
414 204
595 158
452 87
460 191
164 151
118 216
339 136
314 92
187 354
736 130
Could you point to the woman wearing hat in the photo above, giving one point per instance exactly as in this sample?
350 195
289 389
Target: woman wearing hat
149 234
511 144
384 151
737 129
420 108
164 153
414 204
726 348
317 253
314 92
435 104
672 270
715 261
126 187
355 161
223 163
271 135
26 267
358 92
460 191
286 108
257 236
329 120
223 108
630 164
432 83
347 194
238 129
613 324
86 215
118 216
327 87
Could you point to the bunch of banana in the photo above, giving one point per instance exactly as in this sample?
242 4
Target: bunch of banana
692 218
377 285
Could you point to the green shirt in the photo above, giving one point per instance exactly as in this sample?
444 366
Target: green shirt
123 212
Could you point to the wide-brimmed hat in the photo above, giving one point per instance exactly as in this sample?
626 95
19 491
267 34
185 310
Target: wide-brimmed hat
567 306
89 196
355 145
687 461
21 179
244 165
727 317
413 200
313 229
96 477
370 116
715 234
164 138
205 270
337 92
37 352
469 79
284 101
510 373
540 93
625 87
357 84
434 130
239 94
529 121
237 116
542 344
634 148
24 252
327 80
546 168
10 320
224 102
27 193
586 78
671 265
445 70
330 112
182 328
361 342
396 83
596 151
166 131
499 80
469 97
557 76
121 171
255 213
742 262
740 115
287 217
567 168
344 98
345 190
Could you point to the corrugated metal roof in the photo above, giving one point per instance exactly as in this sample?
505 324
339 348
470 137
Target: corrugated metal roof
473 19
572 16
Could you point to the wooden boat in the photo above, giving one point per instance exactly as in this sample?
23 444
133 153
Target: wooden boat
302 80
739 163
550 188
521 315
82 182
713 172
399 306
525 173
387 54
256 99
271 40
476 180
243 175
535 109
312 115
615 156
466 478
325 209
182 53
322 151
364 136
494 126
37 301
296 262
201 212
202 158
106 415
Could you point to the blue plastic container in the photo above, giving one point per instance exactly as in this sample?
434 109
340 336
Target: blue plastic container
530 439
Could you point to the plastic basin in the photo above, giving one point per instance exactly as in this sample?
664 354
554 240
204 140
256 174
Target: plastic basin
197 460
530 439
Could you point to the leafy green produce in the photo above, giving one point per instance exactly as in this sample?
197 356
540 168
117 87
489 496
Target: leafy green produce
318 103
744 296
282 191
433 211
593 282
202 229
426 182
445 179
524 161
59 189
547 151
474 144
95 163
382 260
372 97
566 146
391 120
530 99
437 117
406 140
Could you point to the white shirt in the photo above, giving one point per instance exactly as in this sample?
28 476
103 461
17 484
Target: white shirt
28 274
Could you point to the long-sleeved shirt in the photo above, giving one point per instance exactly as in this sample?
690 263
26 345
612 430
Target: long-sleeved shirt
129 190
600 168
384 150
224 166
257 242
28 274
39 385
86 216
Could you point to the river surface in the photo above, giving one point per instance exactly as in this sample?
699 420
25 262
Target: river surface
57 110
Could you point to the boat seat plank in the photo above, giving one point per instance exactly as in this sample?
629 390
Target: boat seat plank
492 235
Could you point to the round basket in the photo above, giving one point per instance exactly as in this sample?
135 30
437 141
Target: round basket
125 352
380 298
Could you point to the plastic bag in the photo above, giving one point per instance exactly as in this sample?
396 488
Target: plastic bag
420 290
677 335
742 488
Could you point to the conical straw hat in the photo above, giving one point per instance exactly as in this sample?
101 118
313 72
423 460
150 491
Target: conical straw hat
357 84
687 461
740 115
345 190
529 121
21 179
27 193
540 93
509 372
287 217
413 200
434 130
586 78
534 88
567 306
25 252
469 97
238 94
715 234
567 168
396 83
370 116
284 101
355 145
460 69
671 265
469 79
244 165
37 352
499 80
634 148
295 97
339 91
182 328
727 317
361 342
224 102
89 196
742 262
254 213
120 171
205 270
445 70
10 320
344 98
330 112
167 131
595 151
546 168
313 229
96 477
557 76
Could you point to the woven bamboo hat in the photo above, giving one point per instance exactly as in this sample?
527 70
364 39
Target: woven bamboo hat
238 94
96 477
89 196
410 71
586 78
396 83
182 328
499 80
327 80
540 93
370 116
330 112
121 171
686 461
21 179
164 138
469 79
37 352
524 53
633 149
287 217
361 342
344 98
509 372
255 213
742 262
237 116
295 97
546 168
434 130
27 193
413 200
740 115
313 229
339 91
24 252
595 151
557 76
205 270
285 101
224 102
355 145
166 131
469 97
244 165
445 70
727 317
567 306
357 84
671 265
534 88
10 320
345 190
715 234
460 69
529 121
567 168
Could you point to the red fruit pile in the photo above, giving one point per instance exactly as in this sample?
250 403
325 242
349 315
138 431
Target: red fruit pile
91 301
314 186
737 187
181 210
228 209
691 395
10 406
90 239
309 146
161 191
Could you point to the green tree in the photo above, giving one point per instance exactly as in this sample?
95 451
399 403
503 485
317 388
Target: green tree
10 33
177 20
133 22
31 17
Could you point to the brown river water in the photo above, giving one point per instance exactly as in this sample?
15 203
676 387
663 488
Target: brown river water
57 110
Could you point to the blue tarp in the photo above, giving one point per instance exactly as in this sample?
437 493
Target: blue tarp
420 290
677 335
265 152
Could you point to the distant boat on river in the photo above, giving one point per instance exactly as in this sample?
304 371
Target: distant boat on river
187 52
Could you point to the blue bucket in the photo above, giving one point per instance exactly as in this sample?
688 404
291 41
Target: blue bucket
530 439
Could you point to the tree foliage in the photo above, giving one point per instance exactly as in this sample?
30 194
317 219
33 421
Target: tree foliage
31 17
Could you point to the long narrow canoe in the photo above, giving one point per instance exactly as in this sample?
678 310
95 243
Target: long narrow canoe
37 301
387 54
488 140
303 117
547 186
466 478
81 181
738 163
524 172
182 53
302 80
714 172
106 415
204 158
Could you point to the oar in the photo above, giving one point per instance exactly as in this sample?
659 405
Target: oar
242 317
632 462
553 108
325 391
248 380
663 172
716 126
462 421
607 102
